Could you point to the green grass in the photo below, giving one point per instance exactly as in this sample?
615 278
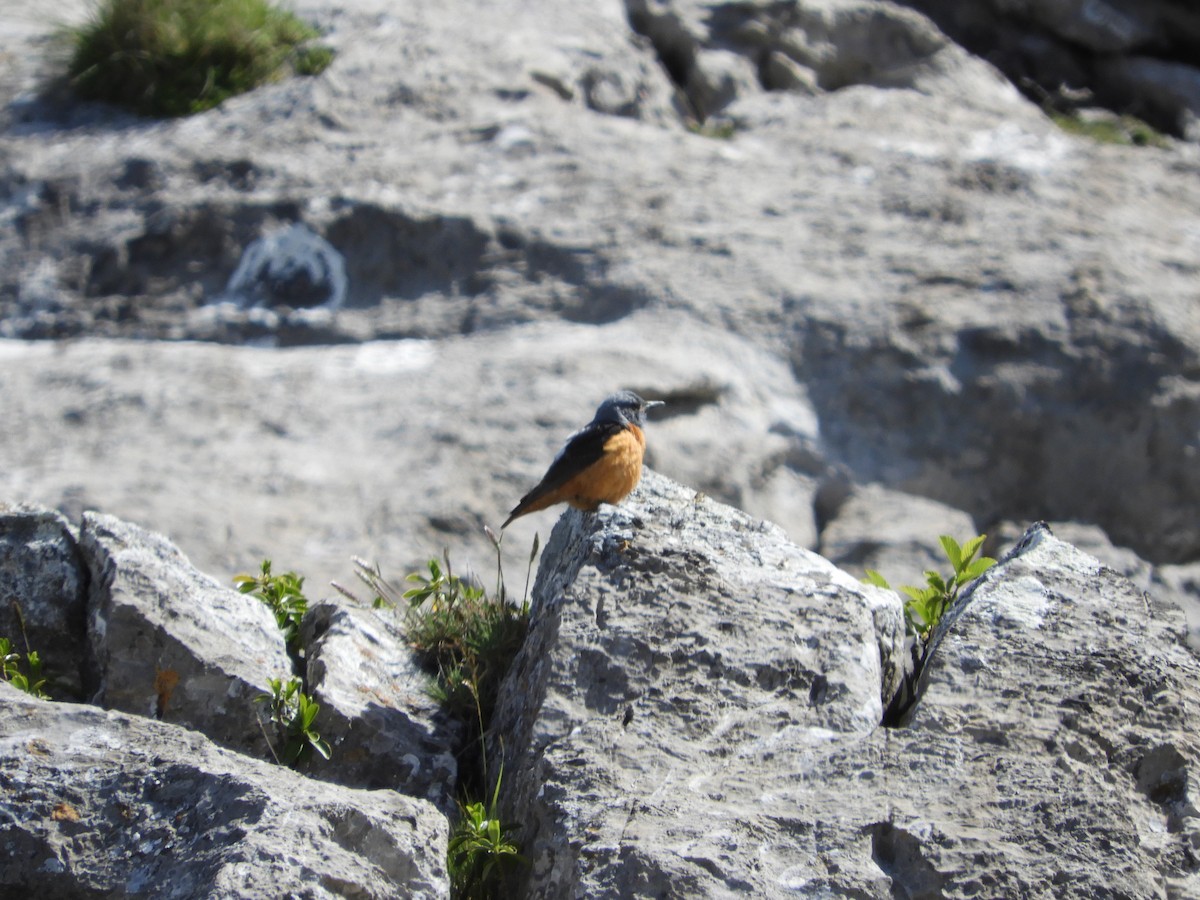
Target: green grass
178 57
1124 130
466 639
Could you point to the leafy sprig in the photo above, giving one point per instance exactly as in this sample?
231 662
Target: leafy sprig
926 605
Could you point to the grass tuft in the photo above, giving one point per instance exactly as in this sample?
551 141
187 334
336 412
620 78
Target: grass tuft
466 640
178 57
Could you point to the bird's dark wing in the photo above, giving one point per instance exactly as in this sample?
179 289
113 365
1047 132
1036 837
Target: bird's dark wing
582 449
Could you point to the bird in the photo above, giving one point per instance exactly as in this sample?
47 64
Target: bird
600 463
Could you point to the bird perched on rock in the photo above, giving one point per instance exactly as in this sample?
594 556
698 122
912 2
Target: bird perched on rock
600 463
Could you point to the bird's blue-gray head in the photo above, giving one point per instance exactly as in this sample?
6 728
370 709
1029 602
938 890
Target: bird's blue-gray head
625 408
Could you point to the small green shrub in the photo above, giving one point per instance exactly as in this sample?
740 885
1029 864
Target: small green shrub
481 851
30 680
178 57
467 638
926 605
293 713
283 595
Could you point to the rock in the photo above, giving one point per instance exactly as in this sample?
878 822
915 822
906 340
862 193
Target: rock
1106 692
108 804
1066 52
696 713
171 643
1181 585
43 595
292 267
893 533
974 306
376 713
1157 90
1175 586
692 643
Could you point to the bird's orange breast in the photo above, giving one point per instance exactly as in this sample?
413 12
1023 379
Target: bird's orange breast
613 476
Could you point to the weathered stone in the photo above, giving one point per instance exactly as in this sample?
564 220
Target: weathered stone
674 642
694 715
376 713
43 594
171 643
105 804
1066 53
953 281
1180 585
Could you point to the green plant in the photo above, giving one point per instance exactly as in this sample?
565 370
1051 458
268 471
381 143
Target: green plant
721 131
177 57
283 595
293 713
467 641
1124 130
30 681
463 637
481 851
926 605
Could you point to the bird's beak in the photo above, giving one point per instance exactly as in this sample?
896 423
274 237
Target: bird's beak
650 404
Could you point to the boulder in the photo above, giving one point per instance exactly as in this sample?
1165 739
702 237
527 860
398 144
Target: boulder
681 654
376 713
171 643
696 713
43 595
1130 57
107 804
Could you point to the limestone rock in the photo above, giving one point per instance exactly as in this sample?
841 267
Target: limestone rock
975 306
43 594
376 713
676 646
1071 52
171 643
696 714
1181 585
107 804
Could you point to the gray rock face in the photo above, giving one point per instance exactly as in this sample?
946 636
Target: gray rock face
677 645
376 712
1135 57
171 643
976 307
106 804
116 805
696 715
43 593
